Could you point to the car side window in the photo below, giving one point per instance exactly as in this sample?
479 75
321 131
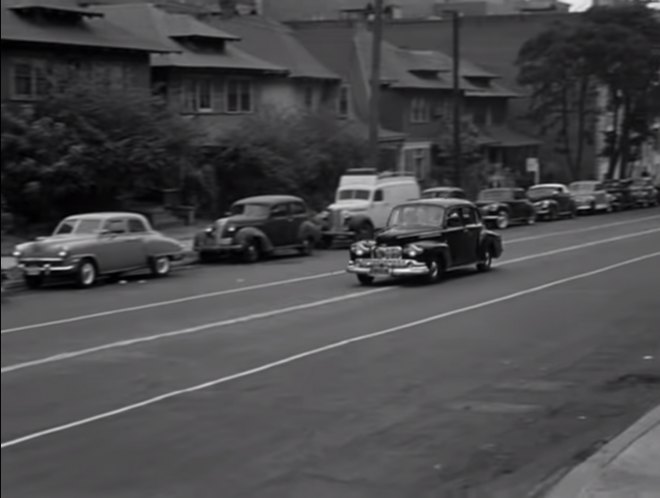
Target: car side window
469 216
454 219
136 225
279 211
459 195
519 194
117 226
379 196
297 208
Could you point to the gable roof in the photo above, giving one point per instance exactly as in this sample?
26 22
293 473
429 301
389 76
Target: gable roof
94 32
169 29
426 69
276 43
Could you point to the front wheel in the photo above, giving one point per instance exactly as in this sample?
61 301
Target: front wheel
486 262
86 273
160 266
365 279
33 281
502 221
436 271
251 252
531 219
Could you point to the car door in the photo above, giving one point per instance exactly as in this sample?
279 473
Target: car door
565 200
137 243
278 226
380 208
456 235
520 205
473 227
298 212
111 248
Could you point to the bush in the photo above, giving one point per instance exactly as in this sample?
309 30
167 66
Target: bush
286 153
85 150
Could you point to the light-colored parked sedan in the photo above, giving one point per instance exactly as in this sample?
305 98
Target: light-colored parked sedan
87 246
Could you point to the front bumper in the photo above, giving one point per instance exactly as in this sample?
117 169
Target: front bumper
388 268
46 267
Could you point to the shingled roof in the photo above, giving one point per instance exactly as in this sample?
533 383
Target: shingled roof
274 42
91 30
173 29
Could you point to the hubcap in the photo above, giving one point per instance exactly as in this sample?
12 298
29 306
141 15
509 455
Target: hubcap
162 265
502 220
433 267
87 273
251 252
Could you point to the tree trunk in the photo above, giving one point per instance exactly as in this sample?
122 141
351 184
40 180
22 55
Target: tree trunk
565 129
614 149
625 138
583 95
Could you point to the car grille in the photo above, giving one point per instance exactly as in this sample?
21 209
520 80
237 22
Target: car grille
336 219
389 252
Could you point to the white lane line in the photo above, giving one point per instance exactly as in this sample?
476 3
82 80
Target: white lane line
314 352
191 330
580 230
268 314
276 283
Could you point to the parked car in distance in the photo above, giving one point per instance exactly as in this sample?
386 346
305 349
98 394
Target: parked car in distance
87 246
620 195
259 226
590 196
444 193
423 239
643 192
502 206
552 201
363 203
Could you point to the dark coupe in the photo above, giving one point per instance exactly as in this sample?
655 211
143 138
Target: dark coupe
424 238
502 206
552 201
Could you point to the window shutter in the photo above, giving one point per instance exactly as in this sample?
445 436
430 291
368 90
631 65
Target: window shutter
218 95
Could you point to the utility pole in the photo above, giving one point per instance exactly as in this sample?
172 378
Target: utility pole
374 101
456 93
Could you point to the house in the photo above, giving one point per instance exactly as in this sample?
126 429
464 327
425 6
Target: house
416 97
47 43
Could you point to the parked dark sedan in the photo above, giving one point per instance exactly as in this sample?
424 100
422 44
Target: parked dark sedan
643 192
423 239
258 226
552 201
620 193
502 206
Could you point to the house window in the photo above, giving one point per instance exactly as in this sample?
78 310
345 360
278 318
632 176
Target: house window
420 110
29 80
239 96
344 107
198 95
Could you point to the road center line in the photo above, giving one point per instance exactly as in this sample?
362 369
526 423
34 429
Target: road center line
276 283
272 313
314 352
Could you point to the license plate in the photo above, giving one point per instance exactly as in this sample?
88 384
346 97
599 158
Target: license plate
380 270
32 271
226 241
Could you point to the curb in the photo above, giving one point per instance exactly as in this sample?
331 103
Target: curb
577 481
16 284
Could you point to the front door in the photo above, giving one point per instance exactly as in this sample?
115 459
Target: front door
278 226
456 235
116 249
473 228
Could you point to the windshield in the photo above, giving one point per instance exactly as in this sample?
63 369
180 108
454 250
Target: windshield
251 210
541 192
78 226
496 194
582 187
415 216
346 194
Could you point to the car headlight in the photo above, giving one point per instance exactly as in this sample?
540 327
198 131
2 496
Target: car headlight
231 229
413 250
63 252
16 253
361 248
210 229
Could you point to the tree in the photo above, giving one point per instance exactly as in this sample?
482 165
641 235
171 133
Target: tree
279 152
88 150
564 66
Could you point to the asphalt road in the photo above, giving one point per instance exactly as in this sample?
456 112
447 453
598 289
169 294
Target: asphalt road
286 379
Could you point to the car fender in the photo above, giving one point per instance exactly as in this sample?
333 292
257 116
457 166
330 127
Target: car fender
247 233
435 249
493 240
156 246
359 219
309 229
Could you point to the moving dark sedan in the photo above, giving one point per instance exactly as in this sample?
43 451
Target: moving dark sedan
502 206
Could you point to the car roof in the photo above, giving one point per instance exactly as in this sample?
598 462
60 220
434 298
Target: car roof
441 189
106 214
269 199
438 202
546 185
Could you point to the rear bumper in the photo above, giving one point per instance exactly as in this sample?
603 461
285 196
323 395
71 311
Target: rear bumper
373 268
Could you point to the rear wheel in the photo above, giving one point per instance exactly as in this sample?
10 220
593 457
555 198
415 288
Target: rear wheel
531 219
86 273
486 262
307 246
502 221
364 232
365 279
160 266
33 281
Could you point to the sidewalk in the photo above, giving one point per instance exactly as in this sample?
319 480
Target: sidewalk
627 467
